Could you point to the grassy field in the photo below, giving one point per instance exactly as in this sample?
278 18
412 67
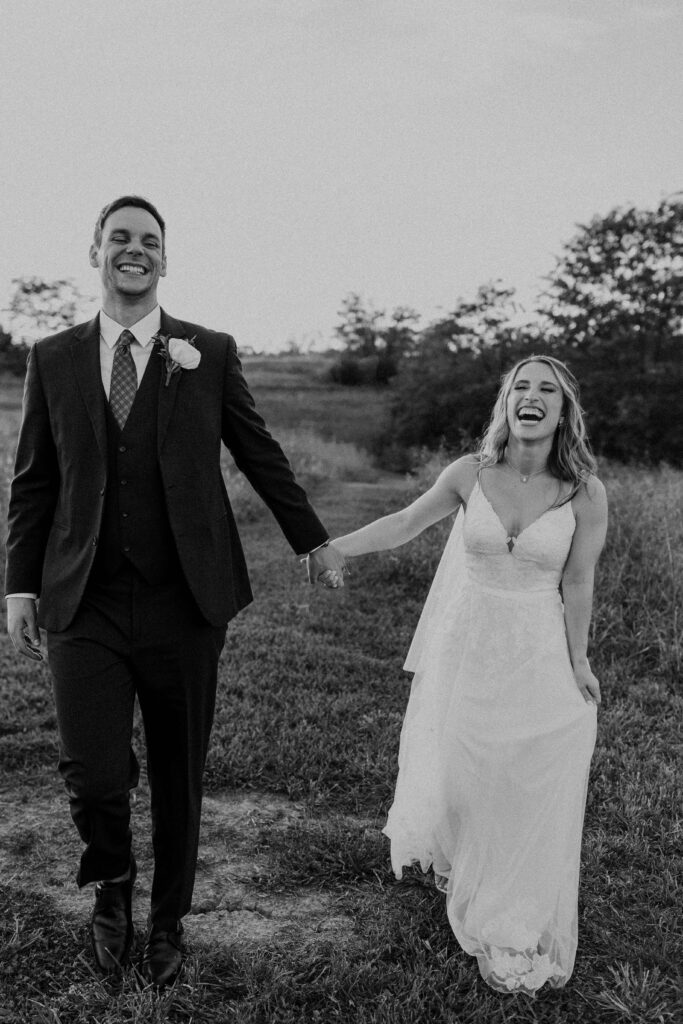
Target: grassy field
293 393
310 707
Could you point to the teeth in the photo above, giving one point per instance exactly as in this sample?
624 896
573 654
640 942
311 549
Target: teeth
132 268
530 414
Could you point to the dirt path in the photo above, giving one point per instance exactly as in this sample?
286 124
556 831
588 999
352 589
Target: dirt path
39 851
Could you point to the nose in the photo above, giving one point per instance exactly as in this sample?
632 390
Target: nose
134 246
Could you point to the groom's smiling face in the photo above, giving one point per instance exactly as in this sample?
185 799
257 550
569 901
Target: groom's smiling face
130 256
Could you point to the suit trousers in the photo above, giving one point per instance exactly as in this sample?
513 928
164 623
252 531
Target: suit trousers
130 638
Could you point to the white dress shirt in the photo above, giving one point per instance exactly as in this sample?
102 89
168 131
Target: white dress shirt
143 331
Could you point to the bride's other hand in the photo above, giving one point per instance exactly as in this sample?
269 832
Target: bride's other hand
587 684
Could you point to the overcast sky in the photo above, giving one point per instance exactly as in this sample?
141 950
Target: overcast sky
303 149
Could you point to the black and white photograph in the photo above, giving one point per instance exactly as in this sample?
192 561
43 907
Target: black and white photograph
341 434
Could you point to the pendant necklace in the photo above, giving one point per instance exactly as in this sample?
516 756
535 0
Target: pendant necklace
523 479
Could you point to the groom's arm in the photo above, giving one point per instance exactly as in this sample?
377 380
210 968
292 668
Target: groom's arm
33 495
259 456
34 489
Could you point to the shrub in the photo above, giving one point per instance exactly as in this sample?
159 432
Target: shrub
12 355
351 370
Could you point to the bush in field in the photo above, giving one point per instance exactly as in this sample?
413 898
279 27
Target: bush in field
12 355
351 370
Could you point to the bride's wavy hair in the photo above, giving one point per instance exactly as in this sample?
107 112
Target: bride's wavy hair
570 458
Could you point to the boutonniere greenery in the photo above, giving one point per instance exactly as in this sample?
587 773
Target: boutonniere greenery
177 353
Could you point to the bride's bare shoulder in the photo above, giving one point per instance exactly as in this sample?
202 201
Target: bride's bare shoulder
461 475
590 503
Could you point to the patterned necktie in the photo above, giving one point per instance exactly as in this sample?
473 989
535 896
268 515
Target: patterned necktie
124 379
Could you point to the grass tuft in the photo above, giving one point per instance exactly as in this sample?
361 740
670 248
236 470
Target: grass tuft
330 854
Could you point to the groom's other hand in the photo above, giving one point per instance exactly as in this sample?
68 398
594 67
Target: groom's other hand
22 626
327 566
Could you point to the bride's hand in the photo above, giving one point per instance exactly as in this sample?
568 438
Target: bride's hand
587 684
326 565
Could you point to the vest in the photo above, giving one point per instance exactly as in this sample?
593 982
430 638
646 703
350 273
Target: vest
135 530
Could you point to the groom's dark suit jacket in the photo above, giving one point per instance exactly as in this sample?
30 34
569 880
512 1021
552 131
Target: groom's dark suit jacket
60 483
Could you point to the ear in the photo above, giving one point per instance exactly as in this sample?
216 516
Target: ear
94 262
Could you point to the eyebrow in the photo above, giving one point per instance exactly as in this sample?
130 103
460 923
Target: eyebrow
525 380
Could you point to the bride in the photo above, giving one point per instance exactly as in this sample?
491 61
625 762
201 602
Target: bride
501 722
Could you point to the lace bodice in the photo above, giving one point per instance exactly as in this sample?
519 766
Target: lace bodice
531 562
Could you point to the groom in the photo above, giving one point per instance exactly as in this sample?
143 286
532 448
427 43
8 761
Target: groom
123 546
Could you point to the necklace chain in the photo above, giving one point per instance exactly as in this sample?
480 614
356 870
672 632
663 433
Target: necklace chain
524 478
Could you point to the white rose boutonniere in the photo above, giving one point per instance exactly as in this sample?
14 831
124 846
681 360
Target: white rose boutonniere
178 354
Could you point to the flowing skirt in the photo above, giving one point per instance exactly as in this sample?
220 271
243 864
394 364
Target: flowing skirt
493 770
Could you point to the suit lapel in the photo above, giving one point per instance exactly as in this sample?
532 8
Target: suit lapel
167 392
85 354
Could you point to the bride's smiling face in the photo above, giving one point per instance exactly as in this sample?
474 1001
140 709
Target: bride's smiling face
535 402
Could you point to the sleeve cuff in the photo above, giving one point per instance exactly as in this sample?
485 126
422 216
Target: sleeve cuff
324 544
34 597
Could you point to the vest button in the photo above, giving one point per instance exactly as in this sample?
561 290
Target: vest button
124 515
123 482
102 493
127 548
122 448
94 542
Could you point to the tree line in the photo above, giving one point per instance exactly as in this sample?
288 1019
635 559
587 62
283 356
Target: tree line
612 309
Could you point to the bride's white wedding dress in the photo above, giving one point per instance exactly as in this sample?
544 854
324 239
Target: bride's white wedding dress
496 747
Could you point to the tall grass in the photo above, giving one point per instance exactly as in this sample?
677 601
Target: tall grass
638 608
314 460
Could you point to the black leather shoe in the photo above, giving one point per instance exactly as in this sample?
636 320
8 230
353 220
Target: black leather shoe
111 925
163 955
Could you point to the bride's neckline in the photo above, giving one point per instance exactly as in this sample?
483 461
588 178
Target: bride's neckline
512 539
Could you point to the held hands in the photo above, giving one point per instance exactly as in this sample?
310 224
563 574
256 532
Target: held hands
587 684
327 567
22 626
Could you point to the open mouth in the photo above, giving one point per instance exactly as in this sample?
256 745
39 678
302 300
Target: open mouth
530 415
132 268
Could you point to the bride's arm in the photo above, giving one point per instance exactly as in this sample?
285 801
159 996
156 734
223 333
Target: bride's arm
577 581
390 531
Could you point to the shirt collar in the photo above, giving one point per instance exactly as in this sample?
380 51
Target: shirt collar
143 331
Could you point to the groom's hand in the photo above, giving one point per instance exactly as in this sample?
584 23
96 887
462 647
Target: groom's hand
327 566
22 626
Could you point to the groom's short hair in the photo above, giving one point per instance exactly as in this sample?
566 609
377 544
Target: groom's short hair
117 204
